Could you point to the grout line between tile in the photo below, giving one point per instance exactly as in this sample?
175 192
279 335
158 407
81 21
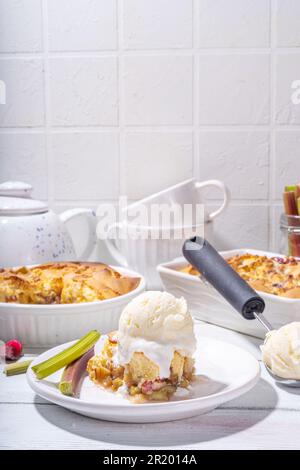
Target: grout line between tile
209 202
272 228
148 52
159 128
196 104
50 175
120 12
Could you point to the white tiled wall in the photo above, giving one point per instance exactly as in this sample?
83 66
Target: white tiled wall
128 96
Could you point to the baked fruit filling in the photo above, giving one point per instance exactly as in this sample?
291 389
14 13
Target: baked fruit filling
141 376
102 368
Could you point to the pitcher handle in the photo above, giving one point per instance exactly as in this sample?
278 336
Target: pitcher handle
220 185
112 247
90 217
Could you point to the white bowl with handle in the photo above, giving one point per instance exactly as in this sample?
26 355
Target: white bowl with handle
137 248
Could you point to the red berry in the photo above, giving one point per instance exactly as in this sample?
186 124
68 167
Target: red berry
13 350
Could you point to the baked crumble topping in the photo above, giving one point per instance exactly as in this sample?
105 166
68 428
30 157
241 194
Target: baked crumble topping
273 275
63 283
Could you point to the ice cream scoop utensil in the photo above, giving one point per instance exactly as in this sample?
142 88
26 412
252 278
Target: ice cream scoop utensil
200 254
224 279
263 321
286 382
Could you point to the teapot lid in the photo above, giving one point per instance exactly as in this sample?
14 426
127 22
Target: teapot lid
15 199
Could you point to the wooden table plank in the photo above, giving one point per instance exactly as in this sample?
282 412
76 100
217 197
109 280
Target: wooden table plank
265 417
49 426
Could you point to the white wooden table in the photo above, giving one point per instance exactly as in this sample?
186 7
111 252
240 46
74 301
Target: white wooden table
267 417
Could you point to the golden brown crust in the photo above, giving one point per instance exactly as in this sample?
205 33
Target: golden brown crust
278 275
61 283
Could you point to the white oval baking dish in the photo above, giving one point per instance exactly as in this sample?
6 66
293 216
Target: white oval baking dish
208 305
49 325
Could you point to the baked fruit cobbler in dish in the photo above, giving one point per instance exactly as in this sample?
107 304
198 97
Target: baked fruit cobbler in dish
273 275
63 283
150 356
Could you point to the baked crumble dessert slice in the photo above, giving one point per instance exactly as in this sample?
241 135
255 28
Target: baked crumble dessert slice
103 369
140 378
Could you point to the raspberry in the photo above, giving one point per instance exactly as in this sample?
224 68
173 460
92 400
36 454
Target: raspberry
13 350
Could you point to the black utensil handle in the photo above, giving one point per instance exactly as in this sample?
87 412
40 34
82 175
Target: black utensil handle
200 254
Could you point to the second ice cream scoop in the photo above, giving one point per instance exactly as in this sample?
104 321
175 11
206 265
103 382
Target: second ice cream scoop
200 254
281 353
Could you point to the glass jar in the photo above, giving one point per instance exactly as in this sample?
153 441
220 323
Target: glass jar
290 235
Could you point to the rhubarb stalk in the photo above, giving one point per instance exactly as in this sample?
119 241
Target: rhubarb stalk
73 375
290 188
17 367
62 359
289 202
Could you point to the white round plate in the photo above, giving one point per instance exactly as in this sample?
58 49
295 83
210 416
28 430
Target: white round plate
224 372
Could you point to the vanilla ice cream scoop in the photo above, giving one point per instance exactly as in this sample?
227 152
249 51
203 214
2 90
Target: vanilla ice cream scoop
157 324
281 351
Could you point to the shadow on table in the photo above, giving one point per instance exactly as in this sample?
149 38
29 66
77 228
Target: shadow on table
292 390
234 417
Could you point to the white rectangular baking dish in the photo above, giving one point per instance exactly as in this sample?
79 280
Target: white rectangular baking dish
49 325
208 305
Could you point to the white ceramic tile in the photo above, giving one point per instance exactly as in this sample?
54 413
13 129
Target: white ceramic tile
84 91
158 24
234 89
152 161
287 160
244 226
82 25
287 72
23 158
85 166
20 26
287 23
24 93
158 90
234 23
240 159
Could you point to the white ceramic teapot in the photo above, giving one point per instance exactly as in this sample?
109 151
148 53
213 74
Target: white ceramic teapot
31 233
